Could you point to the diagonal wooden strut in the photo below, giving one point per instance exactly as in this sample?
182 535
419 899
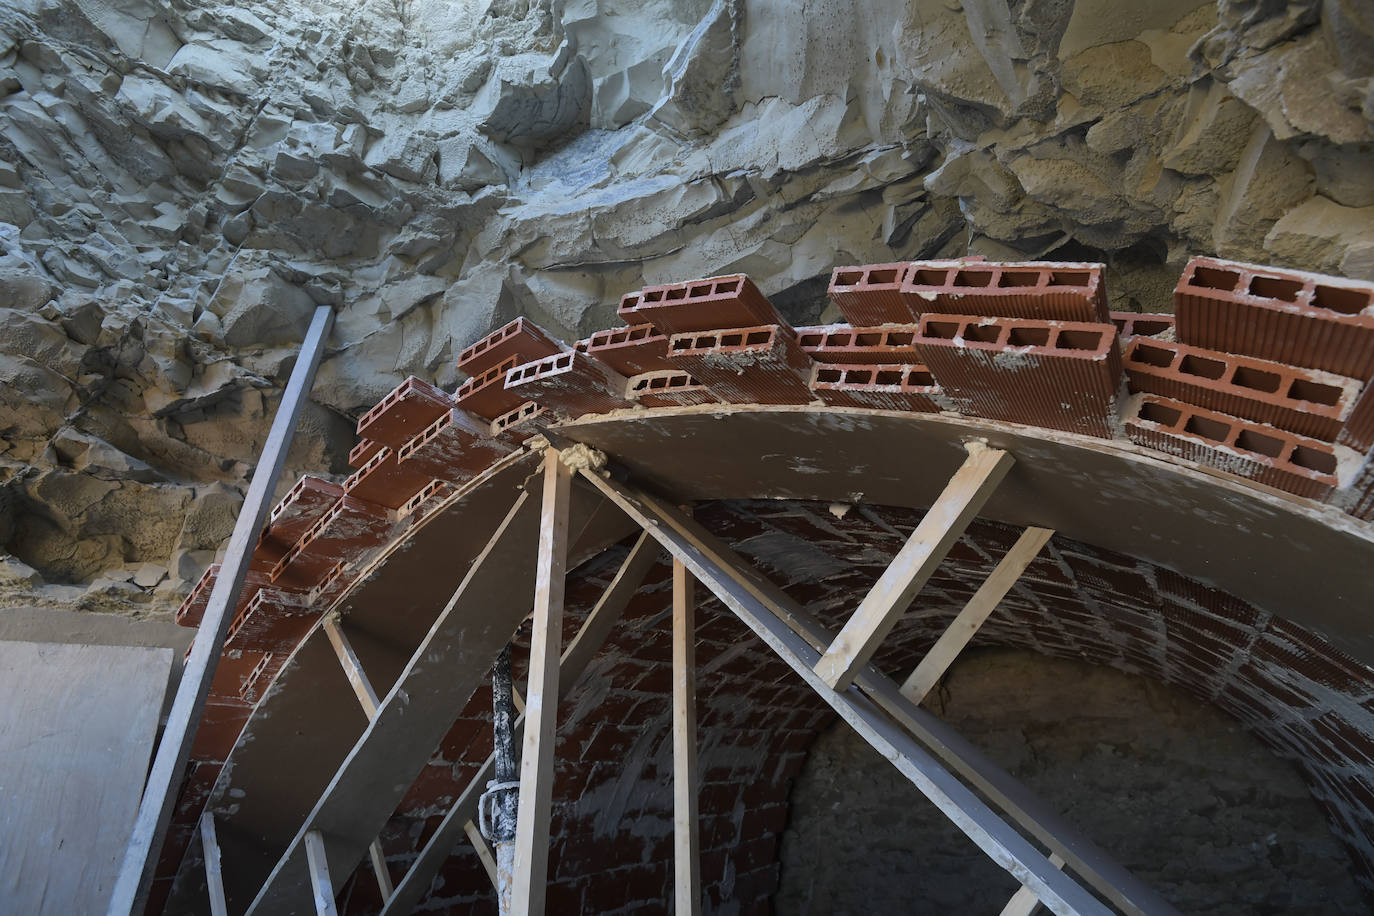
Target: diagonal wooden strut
1024 901
130 892
984 601
792 631
914 564
541 699
214 879
588 641
321 886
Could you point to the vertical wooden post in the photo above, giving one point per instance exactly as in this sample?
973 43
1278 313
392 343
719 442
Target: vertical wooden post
686 852
130 892
530 878
320 883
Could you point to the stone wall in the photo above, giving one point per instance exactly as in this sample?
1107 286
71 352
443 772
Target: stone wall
181 183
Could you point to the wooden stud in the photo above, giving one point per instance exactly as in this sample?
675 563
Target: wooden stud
686 846
1024 902
479 845
353 669
320 885
541 702
579 654
130 893
984 601
914 564
214 877
378 857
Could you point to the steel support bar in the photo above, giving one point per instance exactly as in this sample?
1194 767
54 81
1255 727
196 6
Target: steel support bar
130 892
530 879
764 605
914 564
686 845
588 641
984 601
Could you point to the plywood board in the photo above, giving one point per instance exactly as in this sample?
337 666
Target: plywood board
77 725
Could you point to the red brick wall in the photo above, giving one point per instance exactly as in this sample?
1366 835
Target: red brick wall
611 851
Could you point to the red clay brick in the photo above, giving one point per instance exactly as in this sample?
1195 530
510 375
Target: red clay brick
751 365
515 426
274 621
350 529
700 305
384 480
1056 374
838 343
409 408
1137 324
1358 431
361 452
1252 450
629 351
486 394
871 294
668 388
456 447
301 507
1050 290
521 340
1290 317
896 387
569 385
1304 401
192 610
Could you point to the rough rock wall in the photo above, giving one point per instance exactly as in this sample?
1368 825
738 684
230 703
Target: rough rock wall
180 183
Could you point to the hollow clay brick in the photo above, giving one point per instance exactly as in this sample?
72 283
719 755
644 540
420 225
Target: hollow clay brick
668 388
1358 431
839 343
192 610
515 426
629 351
300 508
1287 316
1303 401
1050 290
362 451
455 448
893 387
1241 447
274 621
871 294
1138 324
1056 374
486 394
521 340
755 365
409 408
385 481
346 532
1358 498
569 385
702 305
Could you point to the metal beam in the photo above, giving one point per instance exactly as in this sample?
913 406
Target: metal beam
914 564
588 641
130 892
984 601
762 605
686 845
530 879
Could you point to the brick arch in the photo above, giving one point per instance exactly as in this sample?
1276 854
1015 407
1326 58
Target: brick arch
611 851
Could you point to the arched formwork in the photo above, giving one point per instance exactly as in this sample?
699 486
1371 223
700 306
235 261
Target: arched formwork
1253 598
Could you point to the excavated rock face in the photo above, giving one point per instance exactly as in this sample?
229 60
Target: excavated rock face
181 183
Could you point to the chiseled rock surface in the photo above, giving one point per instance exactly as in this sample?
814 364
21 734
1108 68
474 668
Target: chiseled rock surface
181 183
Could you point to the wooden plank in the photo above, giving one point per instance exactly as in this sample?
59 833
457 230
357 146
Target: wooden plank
1024 902
686 842
214 880
321 887
693 544
379 868
77 725
164 779
479 846
580 652
914 564
353 669
984 601
530 878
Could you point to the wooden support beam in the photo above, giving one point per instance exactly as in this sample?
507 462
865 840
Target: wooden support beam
479 845
1024 902
761 605
984 601
214 877
321 887
914 564
541 703
353 669
130 892
686 845
378 857
579 654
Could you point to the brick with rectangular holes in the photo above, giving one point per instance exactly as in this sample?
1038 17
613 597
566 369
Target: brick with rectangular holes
839 343
413 405
1146 324
521 340
758 365
668 388
1059 290
899 386
871 294
486 394
456 447
569 385
702 305
629 351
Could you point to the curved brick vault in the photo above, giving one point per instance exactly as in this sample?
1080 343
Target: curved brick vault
1206 473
